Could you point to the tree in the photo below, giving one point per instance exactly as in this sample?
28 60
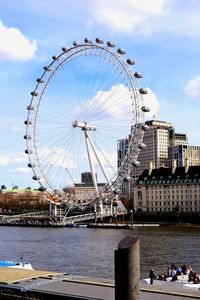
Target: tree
23 202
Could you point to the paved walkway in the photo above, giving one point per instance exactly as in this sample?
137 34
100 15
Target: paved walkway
12 275
88 288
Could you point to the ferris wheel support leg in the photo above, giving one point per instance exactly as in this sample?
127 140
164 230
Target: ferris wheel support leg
95 213
111 209
55 210
97 157
101 209
91 163
94 180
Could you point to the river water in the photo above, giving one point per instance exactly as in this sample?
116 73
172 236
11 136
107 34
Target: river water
90 252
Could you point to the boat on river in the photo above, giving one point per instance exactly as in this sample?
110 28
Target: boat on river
180 284
179 280
15 265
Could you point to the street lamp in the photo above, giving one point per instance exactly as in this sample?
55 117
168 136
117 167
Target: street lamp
131 227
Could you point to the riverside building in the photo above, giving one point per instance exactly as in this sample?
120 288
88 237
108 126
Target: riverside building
158 138
168 189
85 191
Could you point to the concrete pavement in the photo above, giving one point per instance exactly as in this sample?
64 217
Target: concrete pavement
63 286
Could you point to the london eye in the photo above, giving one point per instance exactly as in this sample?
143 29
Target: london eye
86 99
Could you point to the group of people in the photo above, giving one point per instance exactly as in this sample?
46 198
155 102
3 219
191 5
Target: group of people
174 271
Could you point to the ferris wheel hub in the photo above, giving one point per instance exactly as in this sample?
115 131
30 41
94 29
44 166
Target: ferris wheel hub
83 125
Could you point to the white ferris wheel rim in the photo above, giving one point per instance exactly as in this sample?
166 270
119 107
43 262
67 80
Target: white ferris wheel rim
35 120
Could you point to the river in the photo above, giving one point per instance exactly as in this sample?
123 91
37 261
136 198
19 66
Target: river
90 252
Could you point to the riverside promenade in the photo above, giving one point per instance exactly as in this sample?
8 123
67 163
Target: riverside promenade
37 284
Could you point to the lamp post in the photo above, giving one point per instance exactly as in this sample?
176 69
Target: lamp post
131 219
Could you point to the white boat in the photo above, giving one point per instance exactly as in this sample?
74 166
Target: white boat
182 281
15 265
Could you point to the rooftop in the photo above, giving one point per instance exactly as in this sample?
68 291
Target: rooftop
166 176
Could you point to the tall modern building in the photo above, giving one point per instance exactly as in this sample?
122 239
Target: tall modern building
183 153
158 138
86 178
178 138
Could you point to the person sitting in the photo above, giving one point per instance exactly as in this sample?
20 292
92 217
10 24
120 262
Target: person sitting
178 271
189 269
174 274
197 279
192 276
184 269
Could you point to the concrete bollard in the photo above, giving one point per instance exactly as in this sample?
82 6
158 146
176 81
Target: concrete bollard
127 269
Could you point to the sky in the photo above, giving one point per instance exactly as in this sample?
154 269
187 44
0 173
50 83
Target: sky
162 36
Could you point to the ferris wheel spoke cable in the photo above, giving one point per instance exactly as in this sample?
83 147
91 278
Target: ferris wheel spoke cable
106 112
105 84
75 71
54 107
110 81
74 157
106 162
102 105
88 83
87 96
115 106
80 79
57 146
56 163
101 87
98 71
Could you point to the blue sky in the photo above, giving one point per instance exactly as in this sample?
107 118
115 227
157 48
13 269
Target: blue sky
162 36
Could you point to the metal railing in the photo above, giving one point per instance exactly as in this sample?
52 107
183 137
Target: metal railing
22 216
85 217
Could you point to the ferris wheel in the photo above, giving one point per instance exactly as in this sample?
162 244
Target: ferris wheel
86 100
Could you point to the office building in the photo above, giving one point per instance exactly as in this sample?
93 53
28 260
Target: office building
158 138
184 152
86 178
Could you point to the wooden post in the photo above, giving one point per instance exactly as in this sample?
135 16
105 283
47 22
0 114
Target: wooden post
127 269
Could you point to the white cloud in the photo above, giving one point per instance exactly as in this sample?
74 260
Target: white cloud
57 157
21 170
144 17
153 7
4 160
109 102
14 45
192 88
107 159
112 107
152 102
20 158
16 128
181 20
128 15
